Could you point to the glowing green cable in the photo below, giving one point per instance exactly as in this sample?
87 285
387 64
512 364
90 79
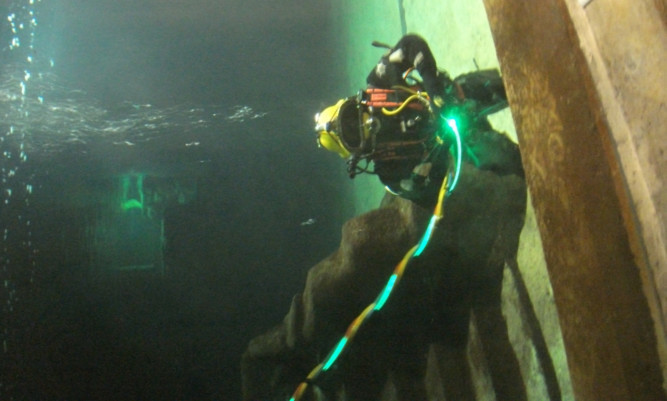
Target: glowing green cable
431 225
446 188
452 124
334 355
427 236
386 292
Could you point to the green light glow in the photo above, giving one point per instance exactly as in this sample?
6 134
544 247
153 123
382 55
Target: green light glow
133 195
453 125
385 293
131 204
334 355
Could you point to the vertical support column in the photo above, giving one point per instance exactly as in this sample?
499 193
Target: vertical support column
573 175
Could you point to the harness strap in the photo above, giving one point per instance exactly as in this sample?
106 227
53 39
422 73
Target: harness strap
380 97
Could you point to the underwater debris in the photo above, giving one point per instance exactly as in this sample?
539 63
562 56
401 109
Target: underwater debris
309 222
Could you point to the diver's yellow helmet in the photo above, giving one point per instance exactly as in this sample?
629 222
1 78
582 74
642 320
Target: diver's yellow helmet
343 128
326 123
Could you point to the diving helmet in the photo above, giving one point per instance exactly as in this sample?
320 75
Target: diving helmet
345 128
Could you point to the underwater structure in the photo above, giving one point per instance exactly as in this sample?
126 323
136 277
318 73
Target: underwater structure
459 272
128 232
119 286
588 124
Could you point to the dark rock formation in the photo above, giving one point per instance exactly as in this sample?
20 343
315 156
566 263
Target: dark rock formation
460 272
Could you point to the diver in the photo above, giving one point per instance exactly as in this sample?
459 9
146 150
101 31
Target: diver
397 122
400 127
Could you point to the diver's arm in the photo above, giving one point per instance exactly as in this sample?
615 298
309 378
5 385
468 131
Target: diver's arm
411 51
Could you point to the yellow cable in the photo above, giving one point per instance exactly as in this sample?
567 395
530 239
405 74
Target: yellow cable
417 96
398 272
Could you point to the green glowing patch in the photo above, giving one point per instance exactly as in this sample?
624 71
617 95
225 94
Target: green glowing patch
133 192
131 204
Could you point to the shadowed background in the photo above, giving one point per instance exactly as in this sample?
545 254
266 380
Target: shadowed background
213 100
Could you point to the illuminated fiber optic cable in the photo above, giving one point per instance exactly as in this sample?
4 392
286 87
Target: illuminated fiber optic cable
451 123
446 188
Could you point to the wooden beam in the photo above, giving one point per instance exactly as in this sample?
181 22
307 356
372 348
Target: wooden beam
573 174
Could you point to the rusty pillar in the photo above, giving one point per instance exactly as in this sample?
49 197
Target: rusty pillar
574 177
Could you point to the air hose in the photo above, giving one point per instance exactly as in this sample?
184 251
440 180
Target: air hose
417 96
446 188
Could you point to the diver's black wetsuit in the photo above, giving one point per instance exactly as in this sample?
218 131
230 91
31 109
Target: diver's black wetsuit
398 174
417 166
411 51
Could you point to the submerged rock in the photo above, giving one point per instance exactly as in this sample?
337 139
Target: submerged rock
459 272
